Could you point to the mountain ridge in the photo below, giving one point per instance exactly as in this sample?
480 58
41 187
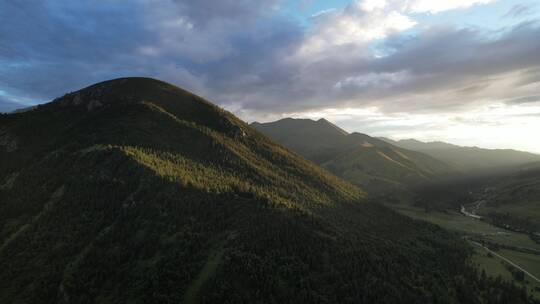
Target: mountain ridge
369 162
469 158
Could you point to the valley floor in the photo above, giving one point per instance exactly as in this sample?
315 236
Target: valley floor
498 252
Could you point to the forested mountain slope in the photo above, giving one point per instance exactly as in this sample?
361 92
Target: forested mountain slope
135 191
371 163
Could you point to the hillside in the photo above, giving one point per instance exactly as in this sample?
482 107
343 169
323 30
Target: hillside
135 191
514 200
469 158
371 163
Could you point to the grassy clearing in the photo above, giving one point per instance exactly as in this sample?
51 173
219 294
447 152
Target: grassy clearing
493 266
55 197
530 262
192 293
490 264
514 239
455 221
450 220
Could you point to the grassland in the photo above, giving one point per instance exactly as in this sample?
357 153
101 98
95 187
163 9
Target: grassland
450 220
495 267
514 239
530 262
490 264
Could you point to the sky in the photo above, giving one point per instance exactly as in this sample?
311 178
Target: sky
461 71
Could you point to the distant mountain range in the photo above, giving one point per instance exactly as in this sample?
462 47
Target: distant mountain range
469 159
369 162
136 191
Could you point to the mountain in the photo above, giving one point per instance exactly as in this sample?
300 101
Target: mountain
135 191
469 158
415 145
374 164
318 141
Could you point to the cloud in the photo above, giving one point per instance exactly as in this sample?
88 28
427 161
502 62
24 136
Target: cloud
248 57
522 100
419 6
433 69
437 69
358 24
434 7
69 44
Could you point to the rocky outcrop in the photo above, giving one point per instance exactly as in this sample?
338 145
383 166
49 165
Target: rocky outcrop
231 128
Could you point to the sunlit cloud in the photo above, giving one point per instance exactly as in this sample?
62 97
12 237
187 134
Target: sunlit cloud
434 7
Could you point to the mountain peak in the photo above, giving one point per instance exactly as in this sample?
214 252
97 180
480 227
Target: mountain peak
120 90
328 123
161 96
321 128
